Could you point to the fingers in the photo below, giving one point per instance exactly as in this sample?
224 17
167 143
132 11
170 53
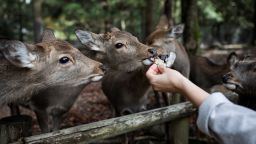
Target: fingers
153 70
154 67
161 68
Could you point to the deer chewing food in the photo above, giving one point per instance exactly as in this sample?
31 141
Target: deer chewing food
168 62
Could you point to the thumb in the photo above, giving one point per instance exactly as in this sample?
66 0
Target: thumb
152 71
161 68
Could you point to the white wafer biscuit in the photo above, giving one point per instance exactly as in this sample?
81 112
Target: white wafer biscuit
170 59
159 62
169 62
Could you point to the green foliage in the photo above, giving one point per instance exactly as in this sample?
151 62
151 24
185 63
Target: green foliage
95 15
228 11
14 20
99 15
209 11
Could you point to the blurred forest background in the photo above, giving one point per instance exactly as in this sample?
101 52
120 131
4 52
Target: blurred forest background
218 24
209 23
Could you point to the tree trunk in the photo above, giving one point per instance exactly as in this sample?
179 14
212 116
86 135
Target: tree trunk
107 24
254 28
189 18
149 13
38 22
20 20
168 9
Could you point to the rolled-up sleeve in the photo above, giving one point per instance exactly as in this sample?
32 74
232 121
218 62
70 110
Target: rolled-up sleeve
227 122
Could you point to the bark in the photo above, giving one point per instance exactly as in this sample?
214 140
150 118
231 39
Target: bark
20 20
168 8
189 18
107 24
38 22
254 22
149 12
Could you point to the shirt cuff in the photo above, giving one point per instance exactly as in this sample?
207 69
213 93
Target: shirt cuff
206 108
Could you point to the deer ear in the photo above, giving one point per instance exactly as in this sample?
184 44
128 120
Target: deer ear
90 40
115 29
163 23
17 53
232 58
48 35
176 31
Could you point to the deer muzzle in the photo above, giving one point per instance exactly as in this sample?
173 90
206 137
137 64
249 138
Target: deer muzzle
166 60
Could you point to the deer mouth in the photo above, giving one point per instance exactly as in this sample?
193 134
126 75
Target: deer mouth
232 85
90 78
148 61
166 60
95 77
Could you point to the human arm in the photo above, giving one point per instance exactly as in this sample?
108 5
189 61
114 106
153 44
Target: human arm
218 117
169 80
226 122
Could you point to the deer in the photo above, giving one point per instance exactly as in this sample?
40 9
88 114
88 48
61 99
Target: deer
127 60
166 36
124 83
26 69
206 73
241 79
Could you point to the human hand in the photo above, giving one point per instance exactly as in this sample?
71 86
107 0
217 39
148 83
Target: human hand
164 79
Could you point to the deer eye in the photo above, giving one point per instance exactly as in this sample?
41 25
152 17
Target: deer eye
119 45
64 60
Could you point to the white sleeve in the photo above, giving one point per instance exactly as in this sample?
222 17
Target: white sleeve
227 122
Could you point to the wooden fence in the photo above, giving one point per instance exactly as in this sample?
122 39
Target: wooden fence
96 131
111 127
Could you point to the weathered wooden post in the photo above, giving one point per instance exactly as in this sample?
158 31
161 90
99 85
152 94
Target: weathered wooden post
14 127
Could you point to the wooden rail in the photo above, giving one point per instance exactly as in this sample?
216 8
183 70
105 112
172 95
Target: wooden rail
93 132
112 127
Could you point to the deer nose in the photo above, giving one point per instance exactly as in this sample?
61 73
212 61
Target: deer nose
98 69
103 67
153 51
226 77
163 57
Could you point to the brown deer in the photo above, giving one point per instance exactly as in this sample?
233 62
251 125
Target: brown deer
53 102
205 73
124 83
241 79
165 36
28 68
